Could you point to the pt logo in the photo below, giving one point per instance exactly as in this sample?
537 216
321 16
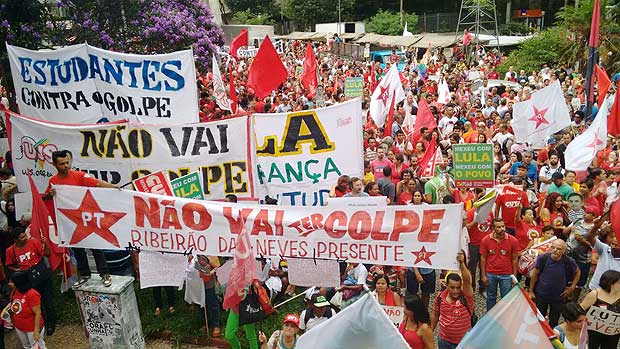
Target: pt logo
39 151
90 219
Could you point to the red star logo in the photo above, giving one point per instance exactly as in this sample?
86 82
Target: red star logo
89 219
539 117
595 143
384 95
423 255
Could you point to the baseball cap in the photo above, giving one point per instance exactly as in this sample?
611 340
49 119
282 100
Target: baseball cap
319 301
591 209
292 319
551 140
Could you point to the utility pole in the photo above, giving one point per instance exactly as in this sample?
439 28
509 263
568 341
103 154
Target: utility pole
479 17
339 19
401 13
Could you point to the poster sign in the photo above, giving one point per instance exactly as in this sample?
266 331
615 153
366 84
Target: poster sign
122 152
161 269
102 218
188 186
473 165
396 314
102 316
309 272
85 84
375 201
353 87
603 321
300 155
298 71
250 52
155 183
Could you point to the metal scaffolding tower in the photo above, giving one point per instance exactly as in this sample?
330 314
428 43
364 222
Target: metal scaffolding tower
479 17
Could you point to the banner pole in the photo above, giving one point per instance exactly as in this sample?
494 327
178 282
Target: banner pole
290 299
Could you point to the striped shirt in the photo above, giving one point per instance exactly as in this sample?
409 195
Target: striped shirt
454 319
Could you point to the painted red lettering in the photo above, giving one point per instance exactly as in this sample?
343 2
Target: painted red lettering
190 211
412 223
339 216
431 220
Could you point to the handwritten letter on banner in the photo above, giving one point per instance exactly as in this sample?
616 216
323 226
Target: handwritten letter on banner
85 84
100 218
122 152
300 155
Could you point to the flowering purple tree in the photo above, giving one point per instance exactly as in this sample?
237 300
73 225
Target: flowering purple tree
145 26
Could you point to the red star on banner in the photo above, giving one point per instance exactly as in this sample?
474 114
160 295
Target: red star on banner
89 219
539 116
384 95
595 143
423 255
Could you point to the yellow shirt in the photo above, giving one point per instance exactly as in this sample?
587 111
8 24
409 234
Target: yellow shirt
368 177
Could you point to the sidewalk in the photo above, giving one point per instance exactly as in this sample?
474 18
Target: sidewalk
72 336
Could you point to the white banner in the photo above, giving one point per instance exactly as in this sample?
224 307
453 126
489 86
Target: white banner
603 321
121 152
423 236
85 84
396 314
161 269
300 155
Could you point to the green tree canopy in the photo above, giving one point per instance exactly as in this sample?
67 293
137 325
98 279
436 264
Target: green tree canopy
533 53
306 13
249 17
388 23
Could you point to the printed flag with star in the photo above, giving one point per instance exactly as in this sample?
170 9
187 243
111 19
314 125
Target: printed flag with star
91 221
544 114
582 150
390 87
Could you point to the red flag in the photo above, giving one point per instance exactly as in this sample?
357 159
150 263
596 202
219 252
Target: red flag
243 270
267 71
614 218
233 91
603 83
40 225
238 42
424 119
308 77
429 156
373 78
387 128
613 119
596 23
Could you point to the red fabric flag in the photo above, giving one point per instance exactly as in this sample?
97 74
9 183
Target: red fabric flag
596 23
233 91
267 71
243 270
40 225
603 83
424 119
373 78
308 77
238 42
429 156
613 119
387 128
614 218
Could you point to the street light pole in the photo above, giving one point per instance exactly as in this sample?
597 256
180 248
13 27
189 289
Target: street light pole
401 13
339 18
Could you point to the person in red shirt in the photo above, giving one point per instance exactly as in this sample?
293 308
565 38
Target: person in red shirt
23 255
62 160
452 304
526 228
25 310
509 201
477 231
499 253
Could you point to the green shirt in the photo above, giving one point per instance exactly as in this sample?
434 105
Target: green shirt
565 190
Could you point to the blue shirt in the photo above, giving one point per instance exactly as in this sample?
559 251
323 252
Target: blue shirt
532 170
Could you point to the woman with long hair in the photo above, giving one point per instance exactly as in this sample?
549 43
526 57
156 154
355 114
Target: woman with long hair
372 189
415 327
398 167
382 292
607 296
25 309
554 214
569 331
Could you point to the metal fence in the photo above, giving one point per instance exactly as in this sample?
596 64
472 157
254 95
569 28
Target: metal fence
438 22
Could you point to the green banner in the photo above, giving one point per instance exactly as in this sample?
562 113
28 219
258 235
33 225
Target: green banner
188 186
473 165
353 87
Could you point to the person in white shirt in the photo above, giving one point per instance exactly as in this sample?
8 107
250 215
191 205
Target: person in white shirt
547 171
319 312
448 118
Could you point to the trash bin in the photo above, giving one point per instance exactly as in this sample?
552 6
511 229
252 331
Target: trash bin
110 315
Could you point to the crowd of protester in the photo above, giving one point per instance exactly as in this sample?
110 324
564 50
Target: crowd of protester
538 200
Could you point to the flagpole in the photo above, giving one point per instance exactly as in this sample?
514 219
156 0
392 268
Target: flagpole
592 56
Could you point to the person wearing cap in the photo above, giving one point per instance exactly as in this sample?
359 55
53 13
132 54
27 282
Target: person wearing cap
545 153
318 312
558 186
532 168
282 339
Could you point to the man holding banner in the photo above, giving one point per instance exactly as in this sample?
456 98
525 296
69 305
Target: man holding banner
62 162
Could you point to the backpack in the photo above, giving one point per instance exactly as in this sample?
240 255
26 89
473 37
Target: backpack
570 274
473 318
